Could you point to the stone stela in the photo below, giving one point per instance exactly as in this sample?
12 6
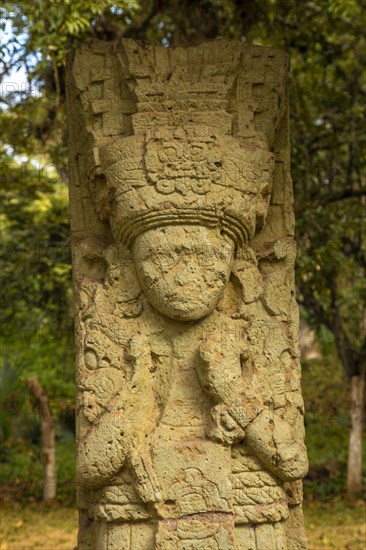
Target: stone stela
190 423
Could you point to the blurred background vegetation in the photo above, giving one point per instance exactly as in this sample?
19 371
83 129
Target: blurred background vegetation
327 45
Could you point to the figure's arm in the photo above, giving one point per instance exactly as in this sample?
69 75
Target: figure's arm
239 413
103 450
278 445
121 430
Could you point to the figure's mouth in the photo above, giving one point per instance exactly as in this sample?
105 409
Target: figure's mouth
185 308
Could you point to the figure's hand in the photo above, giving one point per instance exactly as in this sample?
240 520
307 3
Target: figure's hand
141 411
220 372
147 481
128 418
223 427
279 445
218 367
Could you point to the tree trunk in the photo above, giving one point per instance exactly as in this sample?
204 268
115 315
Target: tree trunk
41 403
354 466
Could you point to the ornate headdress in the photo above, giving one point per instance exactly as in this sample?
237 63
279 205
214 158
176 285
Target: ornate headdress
182 175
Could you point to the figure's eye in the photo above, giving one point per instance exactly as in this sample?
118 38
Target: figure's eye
168 260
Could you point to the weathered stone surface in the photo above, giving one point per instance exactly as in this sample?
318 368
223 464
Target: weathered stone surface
189 417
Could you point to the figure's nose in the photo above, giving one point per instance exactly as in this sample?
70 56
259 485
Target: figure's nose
184 274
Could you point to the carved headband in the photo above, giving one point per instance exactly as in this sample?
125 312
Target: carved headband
181 176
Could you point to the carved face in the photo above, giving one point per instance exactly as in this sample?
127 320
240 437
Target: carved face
183 270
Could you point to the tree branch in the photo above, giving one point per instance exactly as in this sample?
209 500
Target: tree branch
310 302
346 193
346 351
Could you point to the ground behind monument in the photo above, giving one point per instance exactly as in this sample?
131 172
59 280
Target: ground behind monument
330 526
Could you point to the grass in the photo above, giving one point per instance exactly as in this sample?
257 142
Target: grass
336 526
329 526
38 527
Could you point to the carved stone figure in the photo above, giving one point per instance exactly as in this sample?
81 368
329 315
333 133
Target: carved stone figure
189 416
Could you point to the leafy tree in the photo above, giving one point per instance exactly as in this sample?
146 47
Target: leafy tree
326 42
328 138
36 325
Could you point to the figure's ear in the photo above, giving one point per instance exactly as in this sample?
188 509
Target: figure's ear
102 196
265 187
247 275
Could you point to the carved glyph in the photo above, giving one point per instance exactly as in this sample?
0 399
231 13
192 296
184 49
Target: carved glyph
190 417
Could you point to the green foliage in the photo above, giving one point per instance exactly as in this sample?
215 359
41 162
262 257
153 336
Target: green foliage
10 397
35 260
326 421
327 45
66 452
21 474
52 27
36 320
